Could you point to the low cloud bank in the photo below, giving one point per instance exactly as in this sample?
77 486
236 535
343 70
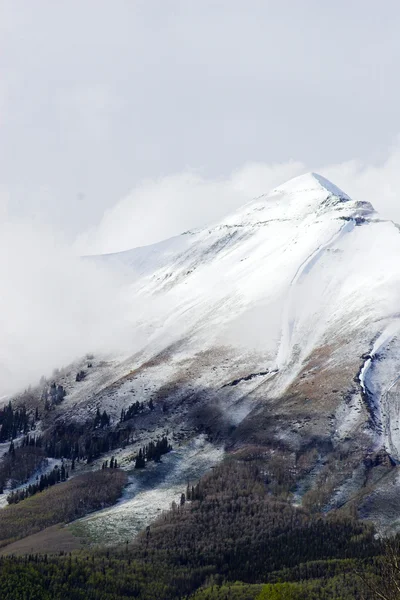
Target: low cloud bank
54 306
161 208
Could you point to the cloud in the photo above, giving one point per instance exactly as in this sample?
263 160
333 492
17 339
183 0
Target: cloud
375 183
86 111
170 205
54 306
157 209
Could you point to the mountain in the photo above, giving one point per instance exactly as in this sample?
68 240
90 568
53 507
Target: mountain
299 276
283 318
272 333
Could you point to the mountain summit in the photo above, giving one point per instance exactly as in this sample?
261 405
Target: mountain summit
311 182
308 194
273 330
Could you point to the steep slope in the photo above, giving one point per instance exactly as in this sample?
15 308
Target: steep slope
235 283
292 272
283 317
274 332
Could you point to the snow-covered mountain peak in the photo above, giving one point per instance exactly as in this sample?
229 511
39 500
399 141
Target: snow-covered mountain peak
306 196
311 183
280 322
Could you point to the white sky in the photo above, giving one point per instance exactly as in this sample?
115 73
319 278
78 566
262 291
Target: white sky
123 122
98 96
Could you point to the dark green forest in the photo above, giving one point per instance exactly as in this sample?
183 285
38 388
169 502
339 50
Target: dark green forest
233 534
229 537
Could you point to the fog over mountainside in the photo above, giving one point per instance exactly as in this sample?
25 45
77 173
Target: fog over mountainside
300 271
158 208
54 307
276 327
85 304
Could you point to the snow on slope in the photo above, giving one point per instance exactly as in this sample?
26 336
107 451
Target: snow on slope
229 282
291 303
151 491
300 270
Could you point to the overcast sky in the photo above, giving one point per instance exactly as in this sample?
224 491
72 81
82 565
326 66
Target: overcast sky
123 122
119 101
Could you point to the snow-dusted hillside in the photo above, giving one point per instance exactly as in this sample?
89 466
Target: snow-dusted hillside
300 271
276 328
257 279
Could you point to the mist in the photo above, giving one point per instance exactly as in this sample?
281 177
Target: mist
54 306
160 208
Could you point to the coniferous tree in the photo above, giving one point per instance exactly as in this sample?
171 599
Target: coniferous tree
140 461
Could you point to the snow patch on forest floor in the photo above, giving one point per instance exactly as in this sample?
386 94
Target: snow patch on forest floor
46 467
149 492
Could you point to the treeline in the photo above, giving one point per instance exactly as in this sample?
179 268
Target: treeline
57 475
18 420
152 451
113 464
19 464
101 419
61 503
97 436
235 524
105 577
53 395
136 409
86 441
80 376
14 421
32 441
229 528
133 410
73 441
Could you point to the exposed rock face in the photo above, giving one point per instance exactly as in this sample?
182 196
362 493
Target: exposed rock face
379 459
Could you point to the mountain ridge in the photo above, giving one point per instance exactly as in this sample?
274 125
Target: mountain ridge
308 182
